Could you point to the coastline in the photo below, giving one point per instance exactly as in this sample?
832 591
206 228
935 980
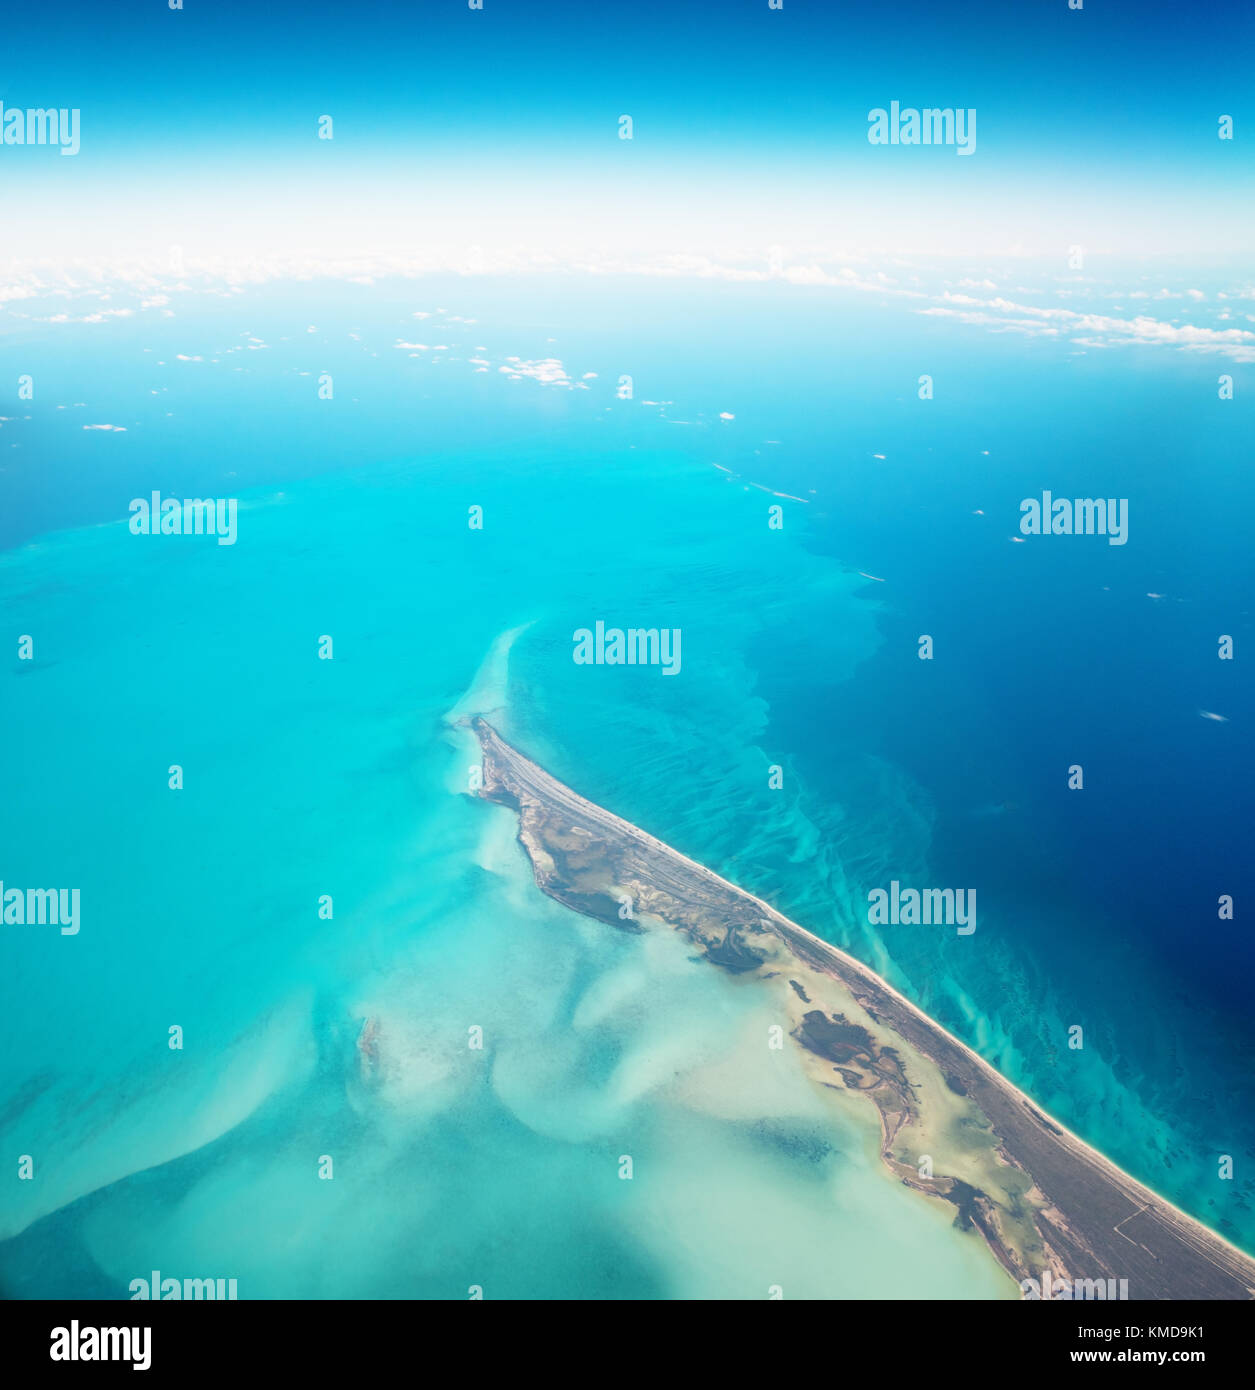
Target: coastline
1041 1197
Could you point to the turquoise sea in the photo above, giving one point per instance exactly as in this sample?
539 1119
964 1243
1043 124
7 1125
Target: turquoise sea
457 1168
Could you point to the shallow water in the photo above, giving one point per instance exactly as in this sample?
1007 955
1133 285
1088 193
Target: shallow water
304 777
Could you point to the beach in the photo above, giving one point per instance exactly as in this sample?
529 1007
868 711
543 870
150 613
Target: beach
953 1128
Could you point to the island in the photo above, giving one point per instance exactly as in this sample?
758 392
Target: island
1055 1213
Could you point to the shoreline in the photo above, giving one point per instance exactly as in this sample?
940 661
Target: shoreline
1044 1197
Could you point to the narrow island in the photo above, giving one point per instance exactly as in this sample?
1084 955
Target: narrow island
1042 1199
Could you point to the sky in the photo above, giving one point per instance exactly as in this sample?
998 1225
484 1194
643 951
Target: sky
499 129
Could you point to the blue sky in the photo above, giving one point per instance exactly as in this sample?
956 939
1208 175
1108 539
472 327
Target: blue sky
199 126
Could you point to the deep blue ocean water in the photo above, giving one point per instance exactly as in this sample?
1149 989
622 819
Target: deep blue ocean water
1094 908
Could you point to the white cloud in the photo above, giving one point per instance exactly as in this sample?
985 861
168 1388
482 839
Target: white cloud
1100 330
549 371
